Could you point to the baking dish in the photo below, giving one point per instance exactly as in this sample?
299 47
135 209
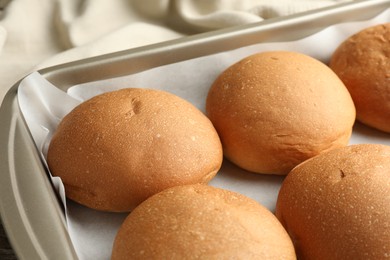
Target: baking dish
30 209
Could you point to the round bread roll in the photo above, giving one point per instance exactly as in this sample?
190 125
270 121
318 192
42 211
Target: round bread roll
115 150
363 63
274 110
201 222
337 205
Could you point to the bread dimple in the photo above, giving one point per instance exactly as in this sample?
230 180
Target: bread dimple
337 205
123 146
199 221
279 108
362 62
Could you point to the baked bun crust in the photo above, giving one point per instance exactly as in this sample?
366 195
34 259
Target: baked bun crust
274 110
118 148
201 222
363 64
337 205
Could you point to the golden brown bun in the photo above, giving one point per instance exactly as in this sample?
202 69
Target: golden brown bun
201 222
337 205
363 64
117 149
274 110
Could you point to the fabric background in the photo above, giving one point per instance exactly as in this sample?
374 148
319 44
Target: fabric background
40 33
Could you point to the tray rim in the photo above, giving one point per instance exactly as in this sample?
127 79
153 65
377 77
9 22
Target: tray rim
159 54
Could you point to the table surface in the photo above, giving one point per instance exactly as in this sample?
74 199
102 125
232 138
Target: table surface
6 252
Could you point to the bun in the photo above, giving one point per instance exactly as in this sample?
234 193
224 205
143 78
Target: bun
201 222
274 110
363 62
337 205
117 149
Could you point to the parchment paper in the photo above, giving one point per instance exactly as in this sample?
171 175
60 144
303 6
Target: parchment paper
43 106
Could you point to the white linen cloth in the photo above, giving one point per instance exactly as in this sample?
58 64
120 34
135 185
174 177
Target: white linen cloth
40 33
